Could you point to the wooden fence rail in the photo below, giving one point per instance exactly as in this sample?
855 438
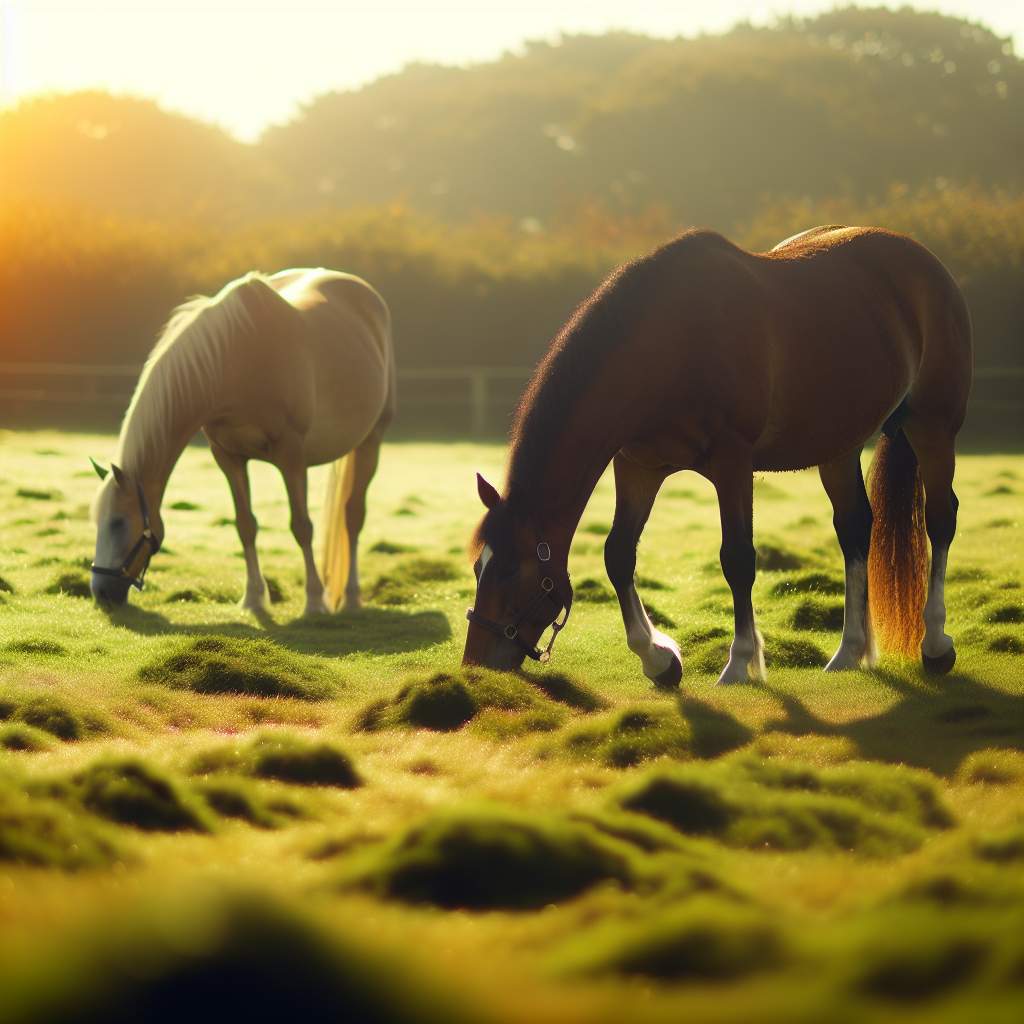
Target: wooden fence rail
482 393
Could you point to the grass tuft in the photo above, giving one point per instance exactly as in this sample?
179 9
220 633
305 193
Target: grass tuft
1006 613
773 557
818 616
128 791
706 942
73 584
220 664
593 591
808 583
834 809
53 716
5 587
16 736
44 833
282 757
446 701
387 547
491 858
234 798
36 645
994 767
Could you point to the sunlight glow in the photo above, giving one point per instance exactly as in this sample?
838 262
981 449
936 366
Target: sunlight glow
247 63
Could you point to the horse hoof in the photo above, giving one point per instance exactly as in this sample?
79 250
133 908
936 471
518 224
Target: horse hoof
671 677
940 666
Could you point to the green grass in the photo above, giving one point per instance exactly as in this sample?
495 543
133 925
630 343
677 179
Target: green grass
335 809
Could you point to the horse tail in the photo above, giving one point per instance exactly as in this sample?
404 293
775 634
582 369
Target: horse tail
898 555
335 530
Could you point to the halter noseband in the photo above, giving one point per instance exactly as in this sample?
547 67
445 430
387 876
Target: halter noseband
148 538
511 631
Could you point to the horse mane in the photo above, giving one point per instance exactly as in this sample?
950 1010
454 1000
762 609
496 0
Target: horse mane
578 354
186 365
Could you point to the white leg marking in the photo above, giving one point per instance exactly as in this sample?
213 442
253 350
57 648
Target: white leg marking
255 597
855 645
936 641
655 649
746 659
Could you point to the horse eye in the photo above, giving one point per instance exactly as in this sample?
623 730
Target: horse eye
117 524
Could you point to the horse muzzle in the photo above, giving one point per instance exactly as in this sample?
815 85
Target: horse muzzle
110 591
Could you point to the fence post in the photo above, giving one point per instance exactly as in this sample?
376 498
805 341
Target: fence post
478 401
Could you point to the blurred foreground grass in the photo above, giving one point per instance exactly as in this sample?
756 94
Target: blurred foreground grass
328 815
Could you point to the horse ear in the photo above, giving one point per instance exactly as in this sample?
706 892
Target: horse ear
488 495
119 476
101 472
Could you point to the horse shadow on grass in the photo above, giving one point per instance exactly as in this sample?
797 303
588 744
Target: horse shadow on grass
365 631
932 725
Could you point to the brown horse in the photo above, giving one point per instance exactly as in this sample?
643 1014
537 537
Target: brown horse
703 356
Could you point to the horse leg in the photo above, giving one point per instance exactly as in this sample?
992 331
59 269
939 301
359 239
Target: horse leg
936 458
366 457
635 491
292 464
851 516
236 470
731 471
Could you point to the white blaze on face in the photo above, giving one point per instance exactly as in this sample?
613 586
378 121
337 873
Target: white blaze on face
486 554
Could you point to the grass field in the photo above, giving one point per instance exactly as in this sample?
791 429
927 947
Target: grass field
327 813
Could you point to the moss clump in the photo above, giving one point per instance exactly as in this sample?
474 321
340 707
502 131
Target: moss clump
808 583
19 737
631 736
219 664
36 645
708 942
818 616
387 547
593 591
428 570
488 859
73 584
725 802
53 716
573 694
447 701
392 590
1006 613
793 652
284 758
1006 643
773 557
130 792
184 506
32 494
912 795
917 956
659 619
992 767
205 953
1003 847
233 798
44 833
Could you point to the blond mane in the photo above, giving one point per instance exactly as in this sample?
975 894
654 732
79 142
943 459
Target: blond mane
185 367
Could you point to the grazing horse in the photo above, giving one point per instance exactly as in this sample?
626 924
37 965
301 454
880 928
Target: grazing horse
295 369
704 356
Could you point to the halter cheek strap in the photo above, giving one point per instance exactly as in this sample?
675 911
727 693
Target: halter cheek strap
511 630
148 539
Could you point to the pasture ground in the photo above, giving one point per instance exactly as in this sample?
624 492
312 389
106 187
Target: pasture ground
332 816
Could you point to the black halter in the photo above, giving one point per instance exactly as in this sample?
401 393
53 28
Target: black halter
511 631
148 539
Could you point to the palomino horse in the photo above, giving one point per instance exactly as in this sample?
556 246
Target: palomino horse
295 369
703 356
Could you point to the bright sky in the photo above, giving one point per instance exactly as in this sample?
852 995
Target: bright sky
247 63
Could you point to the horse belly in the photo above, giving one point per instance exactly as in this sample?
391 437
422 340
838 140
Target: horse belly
837 412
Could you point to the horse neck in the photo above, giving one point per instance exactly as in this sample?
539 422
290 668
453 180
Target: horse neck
158 427
553 499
